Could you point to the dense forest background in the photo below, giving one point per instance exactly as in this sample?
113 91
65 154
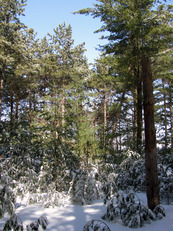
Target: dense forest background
60 116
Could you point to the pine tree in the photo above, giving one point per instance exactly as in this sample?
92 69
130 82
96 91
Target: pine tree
30 69
162 72
137 33
10 26
62 44
17 87
103 84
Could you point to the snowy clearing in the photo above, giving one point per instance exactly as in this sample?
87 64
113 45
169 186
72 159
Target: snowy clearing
74 217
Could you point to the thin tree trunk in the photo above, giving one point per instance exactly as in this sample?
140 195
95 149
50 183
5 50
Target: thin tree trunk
150 136
34 102
165 115
2 87
139 111
138 81
120 134
17 109
118 113
171 112
11 108
1 95
30 102
105 121
135 118
117 143
63 111
63 106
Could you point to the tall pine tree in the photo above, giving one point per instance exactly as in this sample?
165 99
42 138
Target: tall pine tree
137 32
10 25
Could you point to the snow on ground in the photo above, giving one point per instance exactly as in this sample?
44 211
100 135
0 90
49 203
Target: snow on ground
74 217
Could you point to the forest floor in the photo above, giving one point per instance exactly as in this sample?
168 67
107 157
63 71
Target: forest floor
73 217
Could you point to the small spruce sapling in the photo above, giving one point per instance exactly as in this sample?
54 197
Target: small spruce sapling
77 190
95 225
166 183
41 221
7 200
131 211
15 223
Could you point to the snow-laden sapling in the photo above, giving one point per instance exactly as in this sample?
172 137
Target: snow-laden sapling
91 187
41 221
109 187
166 183
50 199
6 200
83 188
77 189
159 212
96 225
15 223
131 174
130 209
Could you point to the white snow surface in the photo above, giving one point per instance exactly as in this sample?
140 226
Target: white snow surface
73 217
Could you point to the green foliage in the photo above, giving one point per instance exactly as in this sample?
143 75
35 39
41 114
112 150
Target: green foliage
135 28
86 141
60 117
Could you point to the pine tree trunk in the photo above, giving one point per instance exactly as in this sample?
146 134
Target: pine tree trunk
150 136
11 108
135 117
120 136
2 87
165 115
63 108
138 82
118 113
139 112
30 102
1 95
171 112
34 102
105 121
17 109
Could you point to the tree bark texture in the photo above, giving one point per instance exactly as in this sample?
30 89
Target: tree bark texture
138 109
171 111
118 113
139 112
150 136
105 120
165 115
12 109
2 77
135 117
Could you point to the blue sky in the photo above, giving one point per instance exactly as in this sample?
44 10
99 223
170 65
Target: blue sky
44 15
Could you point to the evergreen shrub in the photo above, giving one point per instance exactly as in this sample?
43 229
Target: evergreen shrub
96 225
15 223
131 211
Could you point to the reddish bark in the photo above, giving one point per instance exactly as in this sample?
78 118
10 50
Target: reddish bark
150 136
